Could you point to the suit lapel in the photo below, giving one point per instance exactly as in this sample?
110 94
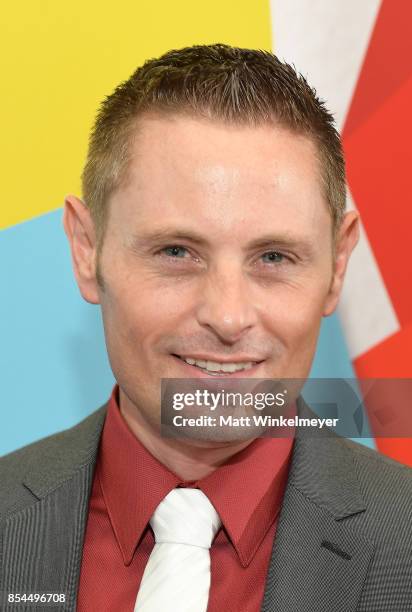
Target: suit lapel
320 558
42 542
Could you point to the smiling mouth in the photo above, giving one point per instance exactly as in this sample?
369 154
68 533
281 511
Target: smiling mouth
215 368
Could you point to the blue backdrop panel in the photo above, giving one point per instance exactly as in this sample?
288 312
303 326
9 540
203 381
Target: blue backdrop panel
54 366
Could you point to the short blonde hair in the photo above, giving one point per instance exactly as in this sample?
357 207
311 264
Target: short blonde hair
230 84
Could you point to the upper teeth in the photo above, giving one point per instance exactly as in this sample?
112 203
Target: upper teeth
214 366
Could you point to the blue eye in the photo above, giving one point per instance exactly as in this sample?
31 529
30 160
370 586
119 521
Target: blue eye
274 257
175 251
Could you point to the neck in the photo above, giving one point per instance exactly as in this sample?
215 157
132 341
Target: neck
191 460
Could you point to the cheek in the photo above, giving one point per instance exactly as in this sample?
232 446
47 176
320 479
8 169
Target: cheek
138 314
294 313
294 327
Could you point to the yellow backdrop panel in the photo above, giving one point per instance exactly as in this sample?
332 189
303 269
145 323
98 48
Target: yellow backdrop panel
59 59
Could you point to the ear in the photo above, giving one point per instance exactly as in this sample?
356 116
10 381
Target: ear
346 241
79 228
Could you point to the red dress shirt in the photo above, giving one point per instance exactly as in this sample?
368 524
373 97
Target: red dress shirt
128 485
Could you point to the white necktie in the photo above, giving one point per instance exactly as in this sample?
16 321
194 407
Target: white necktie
177 575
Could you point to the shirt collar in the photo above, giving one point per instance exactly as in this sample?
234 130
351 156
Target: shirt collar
133 482
247 491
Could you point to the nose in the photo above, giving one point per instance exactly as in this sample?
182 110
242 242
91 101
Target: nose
225 305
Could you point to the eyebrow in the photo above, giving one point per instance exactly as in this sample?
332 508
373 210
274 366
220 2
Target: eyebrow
148 238
285 240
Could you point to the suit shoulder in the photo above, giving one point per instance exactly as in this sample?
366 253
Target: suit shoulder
383 478
69 447
24 456
369 455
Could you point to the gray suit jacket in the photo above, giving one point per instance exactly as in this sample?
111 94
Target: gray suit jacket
343 543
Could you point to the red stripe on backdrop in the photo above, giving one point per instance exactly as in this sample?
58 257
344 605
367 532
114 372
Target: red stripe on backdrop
379 174
377 137
390 359
387 63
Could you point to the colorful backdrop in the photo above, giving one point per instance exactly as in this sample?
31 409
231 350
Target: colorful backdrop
60 60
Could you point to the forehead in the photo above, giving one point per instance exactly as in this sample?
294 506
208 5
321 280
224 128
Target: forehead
216 173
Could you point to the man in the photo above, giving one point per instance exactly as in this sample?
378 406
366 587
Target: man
213 234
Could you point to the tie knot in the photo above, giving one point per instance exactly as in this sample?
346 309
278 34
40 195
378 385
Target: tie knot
185 516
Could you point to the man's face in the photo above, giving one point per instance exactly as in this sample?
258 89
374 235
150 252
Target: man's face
218 249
